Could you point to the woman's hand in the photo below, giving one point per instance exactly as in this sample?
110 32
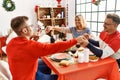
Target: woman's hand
87 36
83 41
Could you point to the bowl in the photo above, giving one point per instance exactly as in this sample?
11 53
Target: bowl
93 58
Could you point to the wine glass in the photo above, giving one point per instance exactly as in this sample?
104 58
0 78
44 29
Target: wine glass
77 45
73 51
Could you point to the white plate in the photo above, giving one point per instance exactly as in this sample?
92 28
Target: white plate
60 56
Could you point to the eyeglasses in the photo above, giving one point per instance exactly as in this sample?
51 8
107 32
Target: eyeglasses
26 26
108 24
32 26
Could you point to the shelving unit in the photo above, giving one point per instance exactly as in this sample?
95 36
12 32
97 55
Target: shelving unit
51 16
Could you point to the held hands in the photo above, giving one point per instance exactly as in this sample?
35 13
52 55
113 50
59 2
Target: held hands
49 28
82 40
87 36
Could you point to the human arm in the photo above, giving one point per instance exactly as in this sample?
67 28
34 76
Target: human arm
95 43
105 50
88 37
56 28
47 49
62 29
85 43
98 52
42 49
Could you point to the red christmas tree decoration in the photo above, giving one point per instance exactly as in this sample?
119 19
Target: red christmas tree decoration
36 8
93 1
96 2
59 5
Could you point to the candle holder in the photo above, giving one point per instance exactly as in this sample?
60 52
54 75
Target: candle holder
59 5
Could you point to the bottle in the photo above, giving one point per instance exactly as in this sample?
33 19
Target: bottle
62 14
80 57
52 40
86 55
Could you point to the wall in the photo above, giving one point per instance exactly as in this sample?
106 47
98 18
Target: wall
25 7
71 12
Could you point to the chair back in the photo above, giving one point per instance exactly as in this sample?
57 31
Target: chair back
2 43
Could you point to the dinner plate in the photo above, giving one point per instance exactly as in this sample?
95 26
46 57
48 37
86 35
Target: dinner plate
60 56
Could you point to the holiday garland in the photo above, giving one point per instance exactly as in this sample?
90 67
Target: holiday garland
8 5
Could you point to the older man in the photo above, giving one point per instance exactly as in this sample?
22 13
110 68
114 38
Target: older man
109 43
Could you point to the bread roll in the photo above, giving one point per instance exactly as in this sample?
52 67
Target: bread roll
64 63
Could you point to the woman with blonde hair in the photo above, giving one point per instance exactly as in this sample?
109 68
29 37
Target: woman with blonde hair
80 27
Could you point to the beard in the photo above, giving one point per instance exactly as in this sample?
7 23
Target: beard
105 28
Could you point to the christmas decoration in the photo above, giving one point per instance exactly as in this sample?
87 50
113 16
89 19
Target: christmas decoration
96 2
59 5
36 8
8 5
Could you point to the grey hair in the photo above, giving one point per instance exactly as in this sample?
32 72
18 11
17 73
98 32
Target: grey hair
114 17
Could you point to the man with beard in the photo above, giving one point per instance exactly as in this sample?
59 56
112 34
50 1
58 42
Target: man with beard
23 53
109 43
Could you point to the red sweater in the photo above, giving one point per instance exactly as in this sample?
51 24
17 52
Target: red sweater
110 44
23 55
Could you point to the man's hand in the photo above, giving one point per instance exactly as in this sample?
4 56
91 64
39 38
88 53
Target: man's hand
82 40
87 36
48 29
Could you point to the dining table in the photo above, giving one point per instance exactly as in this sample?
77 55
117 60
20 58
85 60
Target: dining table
103 68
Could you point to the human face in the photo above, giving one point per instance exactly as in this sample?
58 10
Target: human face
109 25
27 29
78 22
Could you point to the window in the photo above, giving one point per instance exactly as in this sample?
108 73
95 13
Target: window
95 14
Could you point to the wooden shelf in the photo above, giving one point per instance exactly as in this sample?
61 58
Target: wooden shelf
51 16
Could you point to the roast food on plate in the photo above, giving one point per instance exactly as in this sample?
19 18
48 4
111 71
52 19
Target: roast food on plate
60 56
93 58
64 63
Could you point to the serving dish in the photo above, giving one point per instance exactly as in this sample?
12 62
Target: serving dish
93 58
